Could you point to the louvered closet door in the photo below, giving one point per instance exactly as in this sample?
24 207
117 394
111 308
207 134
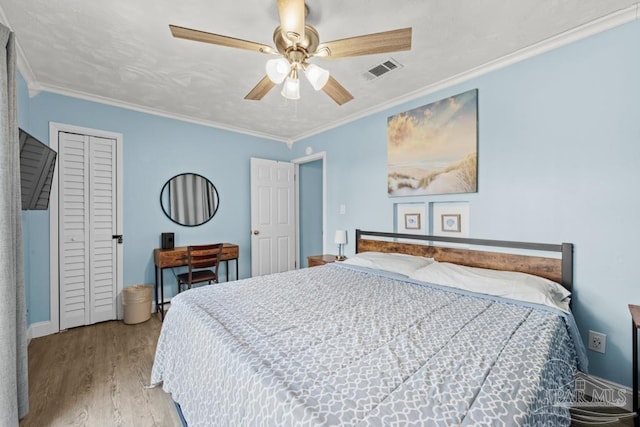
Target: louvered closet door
102 246
87 222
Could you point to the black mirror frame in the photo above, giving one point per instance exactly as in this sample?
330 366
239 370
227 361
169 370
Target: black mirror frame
207 180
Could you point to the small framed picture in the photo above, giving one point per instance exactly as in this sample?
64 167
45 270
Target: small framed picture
412 221
451 222
411 218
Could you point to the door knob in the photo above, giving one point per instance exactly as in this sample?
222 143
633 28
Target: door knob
256 232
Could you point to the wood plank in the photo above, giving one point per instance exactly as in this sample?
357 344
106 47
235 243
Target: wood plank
95 376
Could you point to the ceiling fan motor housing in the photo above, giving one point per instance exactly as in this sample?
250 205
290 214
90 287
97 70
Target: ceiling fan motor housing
286 44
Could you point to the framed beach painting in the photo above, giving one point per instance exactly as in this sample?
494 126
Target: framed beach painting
433 149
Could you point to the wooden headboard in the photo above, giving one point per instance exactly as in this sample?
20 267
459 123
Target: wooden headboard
559 270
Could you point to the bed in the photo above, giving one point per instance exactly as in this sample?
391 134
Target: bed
354 344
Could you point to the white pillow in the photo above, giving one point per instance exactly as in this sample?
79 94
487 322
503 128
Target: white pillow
396 263
507 284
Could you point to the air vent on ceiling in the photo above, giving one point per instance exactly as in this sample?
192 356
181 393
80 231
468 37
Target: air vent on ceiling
381 69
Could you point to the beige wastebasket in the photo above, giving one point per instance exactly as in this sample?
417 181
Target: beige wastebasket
136 301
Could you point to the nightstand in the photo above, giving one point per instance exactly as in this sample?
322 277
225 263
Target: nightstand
316 260
635 325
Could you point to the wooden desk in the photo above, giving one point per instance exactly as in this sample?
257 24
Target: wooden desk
177 257
635 325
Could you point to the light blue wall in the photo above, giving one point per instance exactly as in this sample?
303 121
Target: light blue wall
559 152
310 183
559 161
155 149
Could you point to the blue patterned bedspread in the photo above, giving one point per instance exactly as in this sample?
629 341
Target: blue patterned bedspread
336 346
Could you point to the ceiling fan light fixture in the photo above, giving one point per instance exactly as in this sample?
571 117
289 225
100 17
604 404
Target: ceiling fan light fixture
291 86
317 76
296 42
278 69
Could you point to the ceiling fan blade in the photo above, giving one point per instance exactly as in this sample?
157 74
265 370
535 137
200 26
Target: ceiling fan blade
387 41
203 36
337 92
261 89
292 14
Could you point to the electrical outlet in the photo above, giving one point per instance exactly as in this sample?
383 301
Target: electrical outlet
597 341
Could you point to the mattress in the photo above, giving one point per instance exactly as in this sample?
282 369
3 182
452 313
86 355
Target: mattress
343 346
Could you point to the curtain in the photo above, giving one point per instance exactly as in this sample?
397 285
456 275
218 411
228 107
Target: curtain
192 199
14 391
179 195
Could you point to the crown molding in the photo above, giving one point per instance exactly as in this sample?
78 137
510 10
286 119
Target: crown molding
591 28
22 63
142 109
27 73
35 87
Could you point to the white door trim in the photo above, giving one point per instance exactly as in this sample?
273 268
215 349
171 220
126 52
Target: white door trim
322 155
54 297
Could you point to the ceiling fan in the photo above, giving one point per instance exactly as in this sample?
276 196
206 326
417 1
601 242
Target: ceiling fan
296 42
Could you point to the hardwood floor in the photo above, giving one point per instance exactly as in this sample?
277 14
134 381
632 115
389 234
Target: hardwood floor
95 376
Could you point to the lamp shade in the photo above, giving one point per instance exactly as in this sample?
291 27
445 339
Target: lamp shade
291 88
318 77
340 237
277 69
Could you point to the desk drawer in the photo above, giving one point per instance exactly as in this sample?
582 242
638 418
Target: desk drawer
177 257
171 257
229 252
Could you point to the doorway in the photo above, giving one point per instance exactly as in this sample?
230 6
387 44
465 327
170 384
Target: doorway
310 206
273 185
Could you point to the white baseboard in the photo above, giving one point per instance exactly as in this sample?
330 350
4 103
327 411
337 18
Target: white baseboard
39 329
606 391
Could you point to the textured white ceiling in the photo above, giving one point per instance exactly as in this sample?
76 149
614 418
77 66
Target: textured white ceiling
121 51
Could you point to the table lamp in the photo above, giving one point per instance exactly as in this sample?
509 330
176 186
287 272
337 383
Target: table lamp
341 239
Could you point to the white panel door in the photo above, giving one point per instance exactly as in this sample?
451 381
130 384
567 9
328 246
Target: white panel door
87 223
272 217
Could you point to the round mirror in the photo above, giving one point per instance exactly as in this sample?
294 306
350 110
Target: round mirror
189 199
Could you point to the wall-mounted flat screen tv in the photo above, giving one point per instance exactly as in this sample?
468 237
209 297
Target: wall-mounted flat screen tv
37 163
